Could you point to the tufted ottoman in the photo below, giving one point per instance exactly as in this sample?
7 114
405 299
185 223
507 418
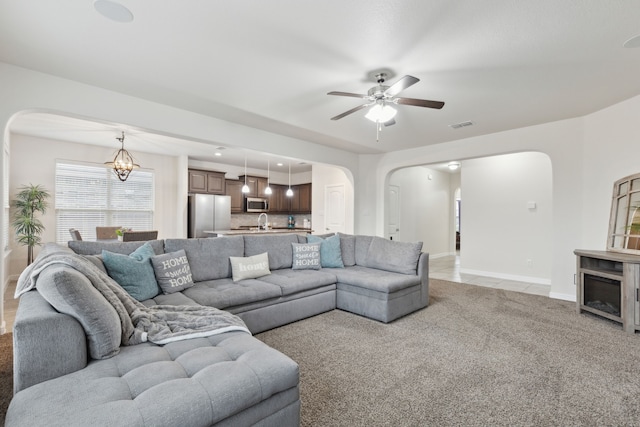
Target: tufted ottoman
228 379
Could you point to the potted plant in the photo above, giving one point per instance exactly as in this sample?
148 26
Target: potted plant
30 200
120 232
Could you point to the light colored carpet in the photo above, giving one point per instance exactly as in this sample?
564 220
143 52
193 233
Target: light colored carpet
475 357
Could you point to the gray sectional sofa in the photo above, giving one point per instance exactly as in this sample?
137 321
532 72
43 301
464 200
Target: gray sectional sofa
70 369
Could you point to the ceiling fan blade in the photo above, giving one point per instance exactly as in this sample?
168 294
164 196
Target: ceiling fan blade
353 110
353 95
419 102
401 85
390 122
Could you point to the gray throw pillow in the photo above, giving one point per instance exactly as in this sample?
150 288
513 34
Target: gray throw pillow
390 255
70 292
306 256
348 249
172 271
133 272
250 267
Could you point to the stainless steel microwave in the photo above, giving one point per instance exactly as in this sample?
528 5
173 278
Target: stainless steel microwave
256 204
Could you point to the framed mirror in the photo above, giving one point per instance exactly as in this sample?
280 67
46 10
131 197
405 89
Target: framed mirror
624 223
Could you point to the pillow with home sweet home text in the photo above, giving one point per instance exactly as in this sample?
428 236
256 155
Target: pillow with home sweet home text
306 256
172 271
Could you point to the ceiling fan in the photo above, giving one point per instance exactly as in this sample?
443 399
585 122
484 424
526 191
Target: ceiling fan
381 96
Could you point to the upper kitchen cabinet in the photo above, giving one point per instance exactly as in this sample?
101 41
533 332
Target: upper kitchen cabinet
301 199
208 182
257 185
299 203
234 189
278 201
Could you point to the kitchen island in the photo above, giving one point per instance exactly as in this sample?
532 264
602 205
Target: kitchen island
255 230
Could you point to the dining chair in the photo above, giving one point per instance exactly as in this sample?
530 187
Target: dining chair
75 234
106 233
137 236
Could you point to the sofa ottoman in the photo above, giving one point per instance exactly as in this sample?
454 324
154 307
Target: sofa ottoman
226 379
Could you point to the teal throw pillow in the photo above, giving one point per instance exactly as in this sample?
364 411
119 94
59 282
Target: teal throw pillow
330 253
133 272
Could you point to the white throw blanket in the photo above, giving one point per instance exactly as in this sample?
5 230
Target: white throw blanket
159 324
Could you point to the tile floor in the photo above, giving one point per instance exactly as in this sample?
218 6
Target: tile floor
444 268
448 268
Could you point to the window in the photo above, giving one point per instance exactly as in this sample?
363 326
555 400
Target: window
89 195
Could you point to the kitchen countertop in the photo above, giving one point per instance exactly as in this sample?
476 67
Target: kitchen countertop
254 230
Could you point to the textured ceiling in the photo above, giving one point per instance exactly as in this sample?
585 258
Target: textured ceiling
269 64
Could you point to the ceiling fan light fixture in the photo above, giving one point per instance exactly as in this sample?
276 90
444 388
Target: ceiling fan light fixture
381 113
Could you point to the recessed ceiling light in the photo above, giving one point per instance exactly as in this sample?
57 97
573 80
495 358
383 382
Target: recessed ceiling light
280 164
218 154
453 165
112 10
632 42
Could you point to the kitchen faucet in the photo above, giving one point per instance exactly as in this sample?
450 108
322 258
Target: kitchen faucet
266 221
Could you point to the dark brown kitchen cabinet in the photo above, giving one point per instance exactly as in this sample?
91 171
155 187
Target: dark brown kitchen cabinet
256 184
234 189
209 182
278 201
301 200
299 203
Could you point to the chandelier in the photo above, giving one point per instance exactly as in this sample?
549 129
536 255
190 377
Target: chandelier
122 163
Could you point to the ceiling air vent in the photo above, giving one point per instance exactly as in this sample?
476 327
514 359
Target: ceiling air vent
461 124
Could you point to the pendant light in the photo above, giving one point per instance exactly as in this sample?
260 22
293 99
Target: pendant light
267 190
289 192
122 163
245 187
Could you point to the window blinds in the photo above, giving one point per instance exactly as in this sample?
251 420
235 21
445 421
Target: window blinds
90 195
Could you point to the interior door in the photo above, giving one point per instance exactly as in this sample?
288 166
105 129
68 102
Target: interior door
393 221
334 209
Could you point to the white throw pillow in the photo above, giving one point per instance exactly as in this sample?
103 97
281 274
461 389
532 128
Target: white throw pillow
249 267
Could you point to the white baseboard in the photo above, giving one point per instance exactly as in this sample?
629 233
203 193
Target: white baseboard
565 297
441 255
527 279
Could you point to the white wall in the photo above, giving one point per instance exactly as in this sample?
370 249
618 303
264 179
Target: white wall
562 141
425 208
502 235
27 168
323 175
611 151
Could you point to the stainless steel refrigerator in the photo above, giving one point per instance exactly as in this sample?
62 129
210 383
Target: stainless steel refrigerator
208 212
